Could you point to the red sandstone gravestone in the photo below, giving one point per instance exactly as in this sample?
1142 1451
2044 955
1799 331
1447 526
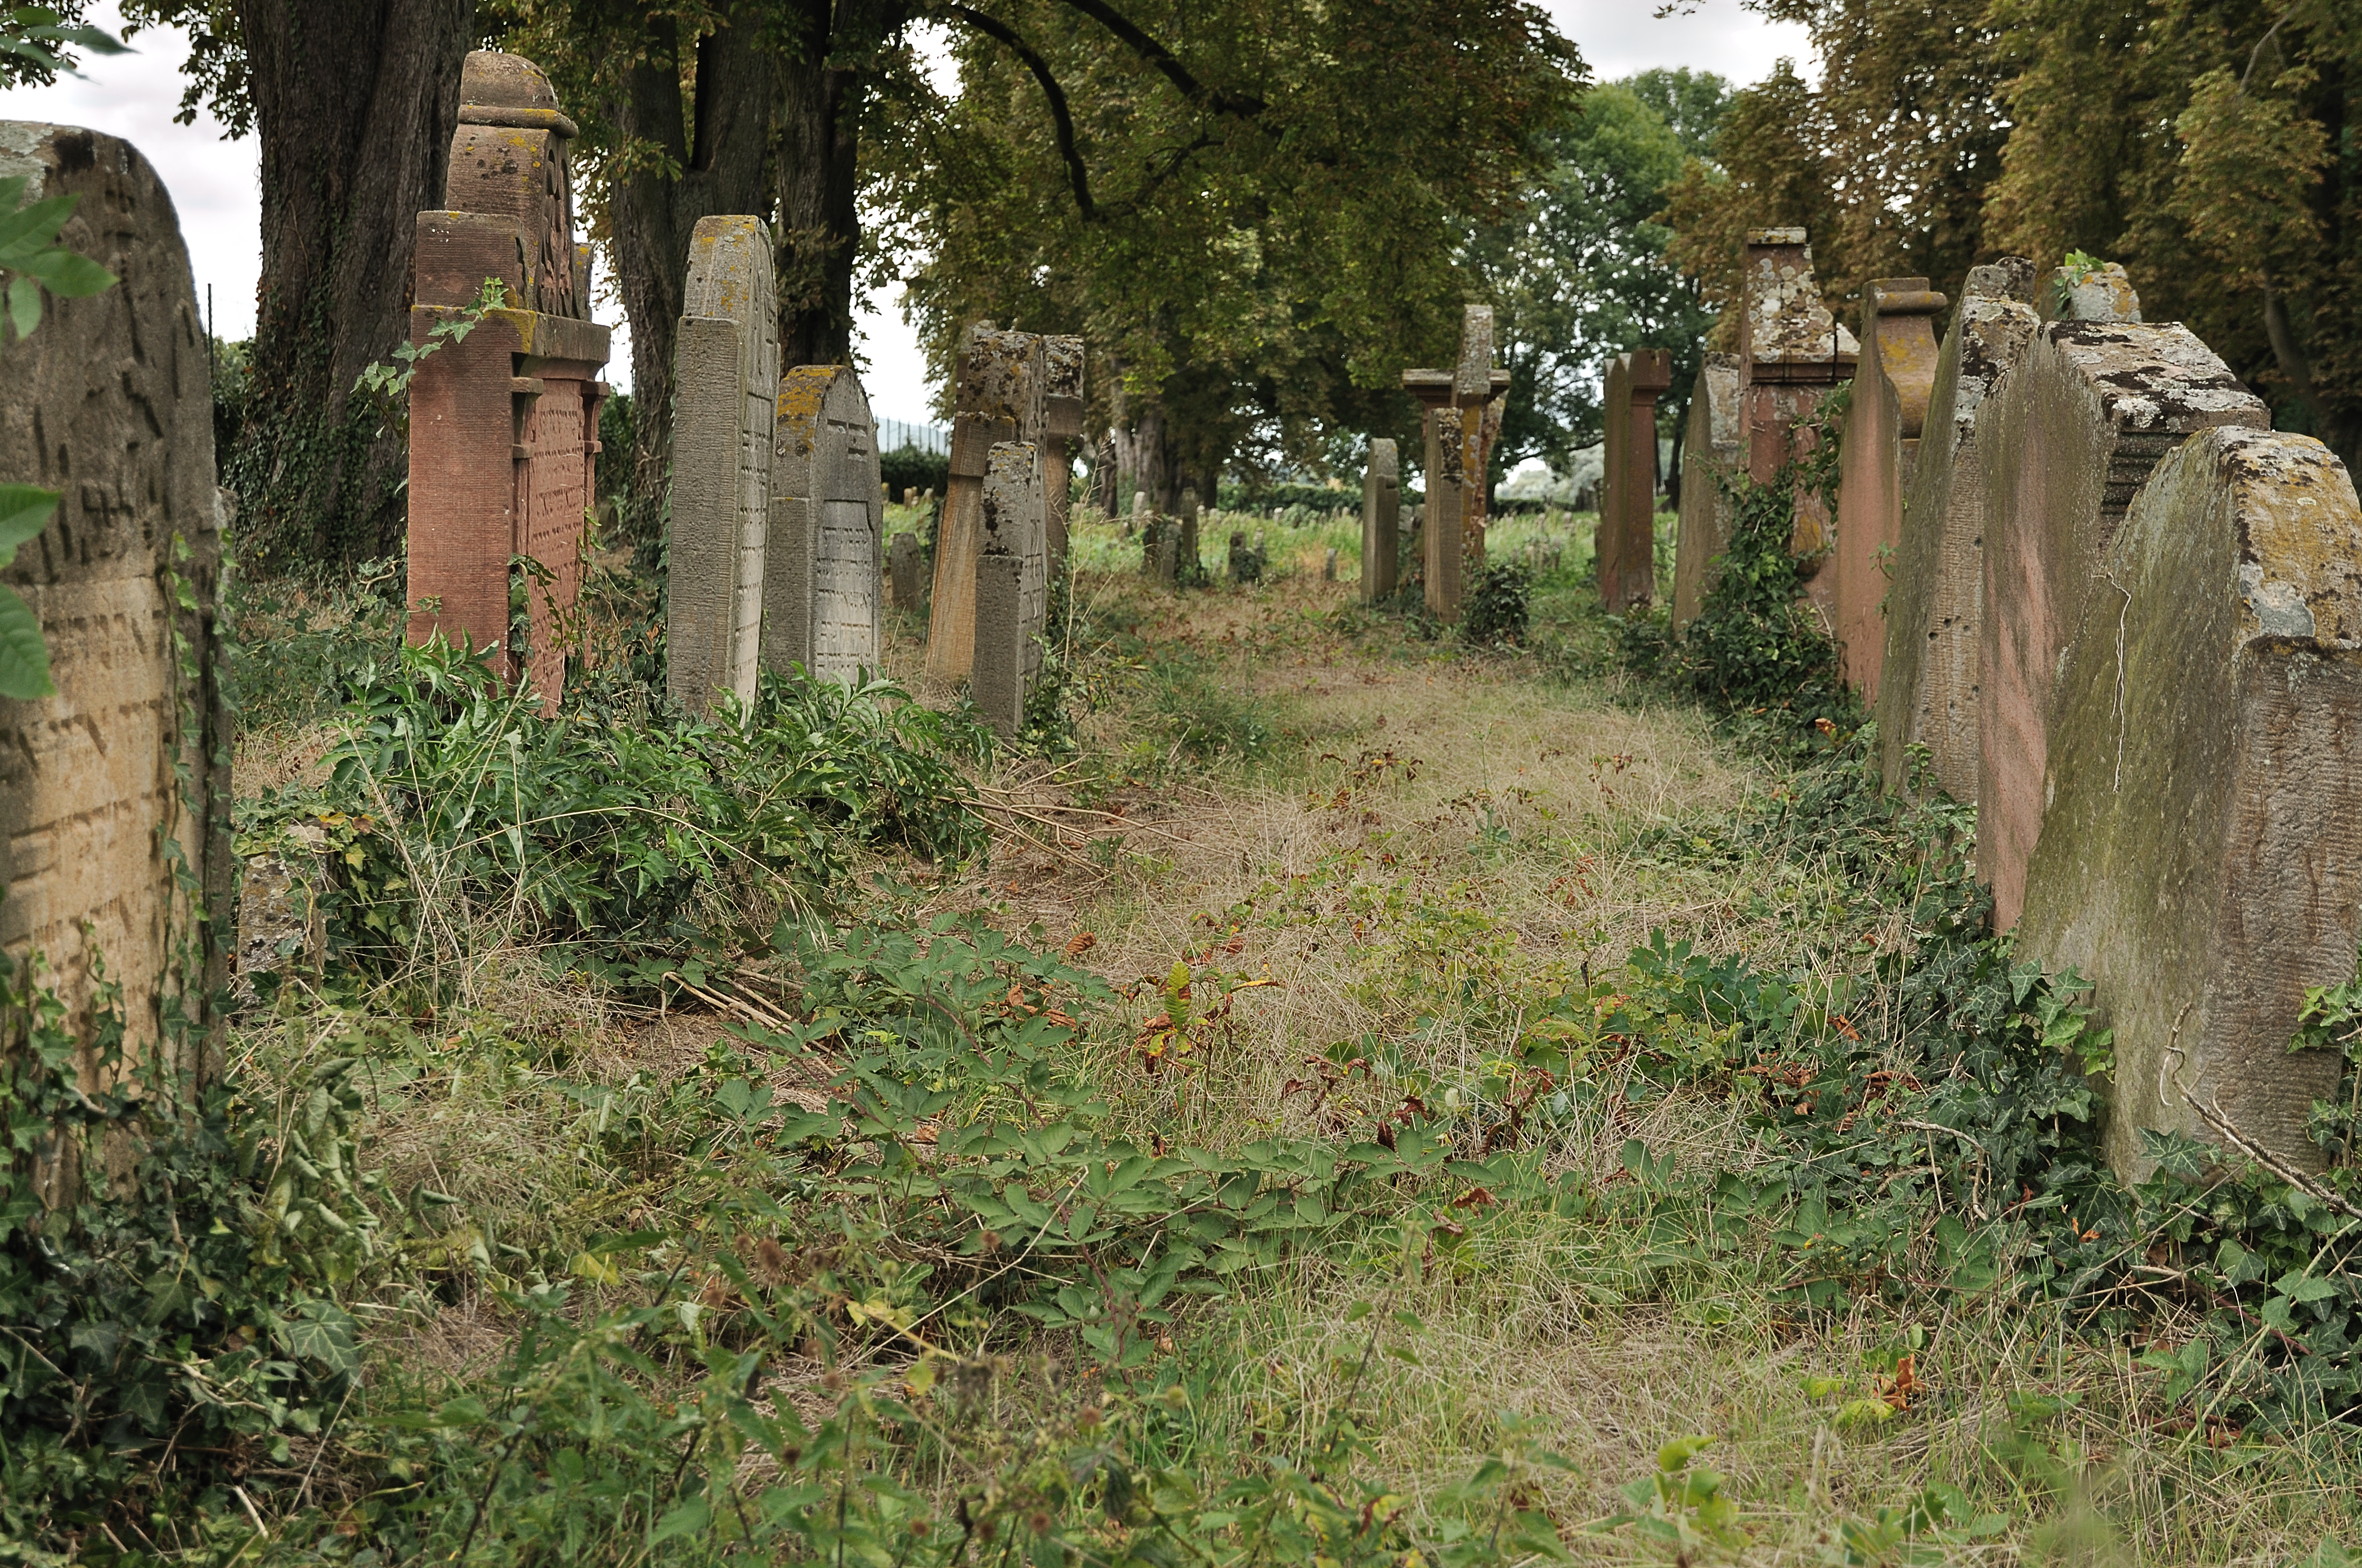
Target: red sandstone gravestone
504 423
997 395
1459 414
1792 354
1713 449
1892 387
1625 543
1381 521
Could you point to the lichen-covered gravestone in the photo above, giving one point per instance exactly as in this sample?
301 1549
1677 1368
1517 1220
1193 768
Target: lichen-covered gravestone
115 794
1928 679
1892 386
1625 543
1792 354
503 422
725 395
2071 431
1714 449
1381 520
1009 586
997 395
825 554
2201 853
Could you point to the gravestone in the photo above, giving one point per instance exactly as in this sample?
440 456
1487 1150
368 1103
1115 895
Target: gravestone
2201 854
1191 568
821 580
1792 354
1714 448
1928 685
1329 566
1013 526
504 422
1625 542
2071 431
1457 404
1892 387
997 682
1061 426
115 793
725 394
997 396
1381 520
2101 293
906 571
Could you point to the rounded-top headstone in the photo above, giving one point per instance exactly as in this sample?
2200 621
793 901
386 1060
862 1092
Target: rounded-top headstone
497 89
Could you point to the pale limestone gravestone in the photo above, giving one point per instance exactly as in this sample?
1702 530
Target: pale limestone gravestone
906 571
998 398
824 558
2201 853
725 394
2103 293
1892 387
1792 354
1714 448
1381 520
115 793
2073 430
504 421
1625 543
1013 526
997 681
1061 426
1927 687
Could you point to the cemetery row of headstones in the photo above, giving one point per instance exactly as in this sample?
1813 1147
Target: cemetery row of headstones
2081 580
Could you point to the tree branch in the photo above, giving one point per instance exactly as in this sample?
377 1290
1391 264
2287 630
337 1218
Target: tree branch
1075 173
1156 54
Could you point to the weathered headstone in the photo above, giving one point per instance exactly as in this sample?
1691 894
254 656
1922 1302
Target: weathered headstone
997 395
2201 854
1892 387
2071 431
115 794
725 391
906 571
1013 526
1189 569
1458 411
1626 540
1792 354
1928 685
997 680
2101 293
1061 426
1381 520
1329 566
504 422
1714 447
825 554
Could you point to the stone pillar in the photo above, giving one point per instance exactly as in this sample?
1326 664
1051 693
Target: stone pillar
2201 853
906 571
1625 545
821 587
2062 445
1713 450
1791 352
1928 685
504 423
725 391
115 793
997 682
997 395
1381 520
1459 412
1061 426
1892 387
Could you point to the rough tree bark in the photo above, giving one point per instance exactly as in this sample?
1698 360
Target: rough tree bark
817 169
354 106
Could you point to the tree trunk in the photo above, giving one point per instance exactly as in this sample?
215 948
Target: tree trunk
651 216
355 103
817 170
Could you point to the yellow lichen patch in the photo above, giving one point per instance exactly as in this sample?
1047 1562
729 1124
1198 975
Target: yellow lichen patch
2298 519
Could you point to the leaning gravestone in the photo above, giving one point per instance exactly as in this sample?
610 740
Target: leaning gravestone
824 560
1625 543
1714 449
2201 854
725 392
997 397
503 422
1876 458
1381 520
115 794
1928 685
2062 445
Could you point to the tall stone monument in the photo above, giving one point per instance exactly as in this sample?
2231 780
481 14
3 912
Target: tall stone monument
1714 449
1457 402
1625 542
825 554
503 422
1892 388
1792 354
2062 443
1062 427
1381 521
1928 685
115 794
996 397
2201 853
725 393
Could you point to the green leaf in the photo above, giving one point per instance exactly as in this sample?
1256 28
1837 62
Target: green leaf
689 1518
25 510
24 304
24 656
28 229
68 275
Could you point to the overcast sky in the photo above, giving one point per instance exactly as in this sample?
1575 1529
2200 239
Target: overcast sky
216 189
